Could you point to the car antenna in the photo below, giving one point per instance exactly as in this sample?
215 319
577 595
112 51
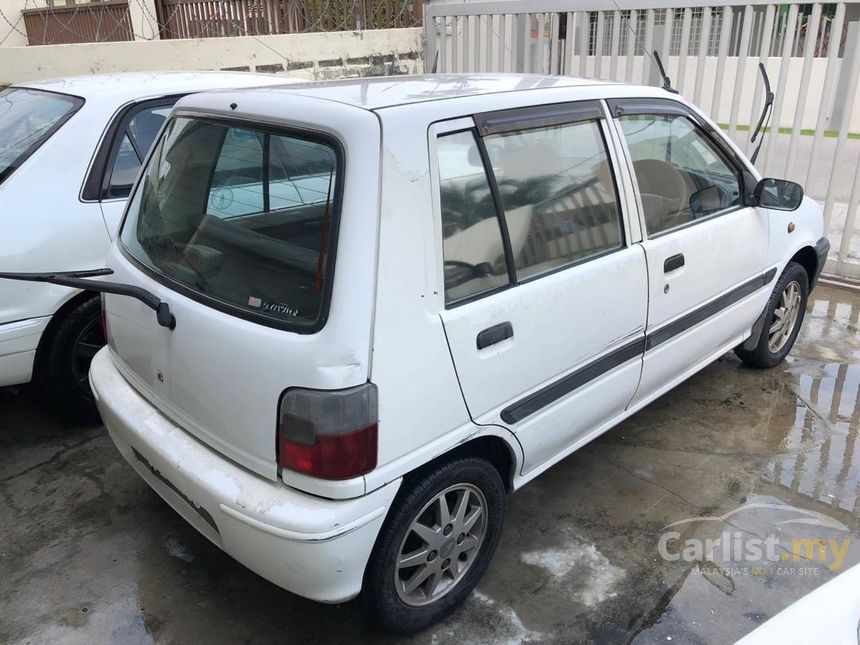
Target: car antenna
667 82
78 280
766 113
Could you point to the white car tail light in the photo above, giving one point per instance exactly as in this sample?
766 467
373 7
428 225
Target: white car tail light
330 434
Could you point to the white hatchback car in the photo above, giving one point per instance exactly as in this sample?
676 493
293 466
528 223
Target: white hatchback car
382 304
70 150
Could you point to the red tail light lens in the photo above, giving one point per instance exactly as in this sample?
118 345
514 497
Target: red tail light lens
330 434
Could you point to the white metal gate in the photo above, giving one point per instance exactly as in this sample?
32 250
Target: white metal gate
811 52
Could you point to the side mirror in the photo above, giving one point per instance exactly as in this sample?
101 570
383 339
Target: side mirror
778 194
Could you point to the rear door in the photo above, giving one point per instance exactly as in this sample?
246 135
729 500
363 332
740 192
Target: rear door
706 251
545 294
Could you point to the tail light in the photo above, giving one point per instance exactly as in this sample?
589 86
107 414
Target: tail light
330 434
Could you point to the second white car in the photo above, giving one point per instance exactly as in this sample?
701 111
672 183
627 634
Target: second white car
70 150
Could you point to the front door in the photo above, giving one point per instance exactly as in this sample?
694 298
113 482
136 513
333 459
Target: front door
706 251
545 295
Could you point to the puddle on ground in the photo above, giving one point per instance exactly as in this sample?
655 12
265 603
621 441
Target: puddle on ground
806 499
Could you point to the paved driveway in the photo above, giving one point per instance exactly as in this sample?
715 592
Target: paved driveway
89 555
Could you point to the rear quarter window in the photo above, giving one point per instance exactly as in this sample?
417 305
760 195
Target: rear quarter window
242 218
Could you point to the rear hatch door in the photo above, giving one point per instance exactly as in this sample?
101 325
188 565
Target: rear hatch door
262 239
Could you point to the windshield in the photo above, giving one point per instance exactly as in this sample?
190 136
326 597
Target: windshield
239 217
28 118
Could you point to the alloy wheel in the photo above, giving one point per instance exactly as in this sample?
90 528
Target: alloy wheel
441 544
785 317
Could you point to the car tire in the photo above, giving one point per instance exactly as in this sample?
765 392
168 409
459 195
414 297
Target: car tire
452 555
782 320
69 352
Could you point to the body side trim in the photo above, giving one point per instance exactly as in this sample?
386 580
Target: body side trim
707 310
567 384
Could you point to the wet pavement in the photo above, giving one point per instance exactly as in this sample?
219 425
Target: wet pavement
616 543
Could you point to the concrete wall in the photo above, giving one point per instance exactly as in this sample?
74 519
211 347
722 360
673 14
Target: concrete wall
312 56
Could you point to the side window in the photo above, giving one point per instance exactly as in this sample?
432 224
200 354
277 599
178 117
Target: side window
135 141
124 169
472 246
145 125
681 175
558 195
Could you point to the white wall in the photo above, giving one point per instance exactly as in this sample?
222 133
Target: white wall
746 111
314 56
11 23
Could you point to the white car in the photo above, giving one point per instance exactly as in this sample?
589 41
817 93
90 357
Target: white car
70 150
830 614
379 305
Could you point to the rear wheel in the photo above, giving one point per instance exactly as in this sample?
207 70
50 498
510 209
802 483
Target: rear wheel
783 318
435 544
72 346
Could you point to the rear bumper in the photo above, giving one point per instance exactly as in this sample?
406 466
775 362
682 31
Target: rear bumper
822 248
18 343
314 547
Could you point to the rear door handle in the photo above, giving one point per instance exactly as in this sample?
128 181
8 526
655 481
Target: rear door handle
673 263
495 334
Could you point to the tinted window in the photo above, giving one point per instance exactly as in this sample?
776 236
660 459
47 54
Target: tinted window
27 119
124 169
681 175
211 214
558 195
472 244
144 126
237 185
134 143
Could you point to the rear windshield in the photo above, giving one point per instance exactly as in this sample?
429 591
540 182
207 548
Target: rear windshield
239 217
28 118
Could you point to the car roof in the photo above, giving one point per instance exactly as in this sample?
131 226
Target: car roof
131 85
384 92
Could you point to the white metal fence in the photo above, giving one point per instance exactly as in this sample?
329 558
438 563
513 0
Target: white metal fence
811 52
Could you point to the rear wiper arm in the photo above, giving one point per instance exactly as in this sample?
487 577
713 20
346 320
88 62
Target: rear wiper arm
79 280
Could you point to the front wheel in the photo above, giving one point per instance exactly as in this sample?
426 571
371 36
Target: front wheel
782 320
435 544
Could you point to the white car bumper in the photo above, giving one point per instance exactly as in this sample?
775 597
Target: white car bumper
314 547
18 343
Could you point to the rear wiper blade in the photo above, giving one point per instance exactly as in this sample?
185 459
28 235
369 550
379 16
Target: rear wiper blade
79 280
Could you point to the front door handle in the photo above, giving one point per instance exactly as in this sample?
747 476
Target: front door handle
673 263
495 334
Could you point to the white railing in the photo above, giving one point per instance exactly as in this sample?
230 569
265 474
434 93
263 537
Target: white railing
711 53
